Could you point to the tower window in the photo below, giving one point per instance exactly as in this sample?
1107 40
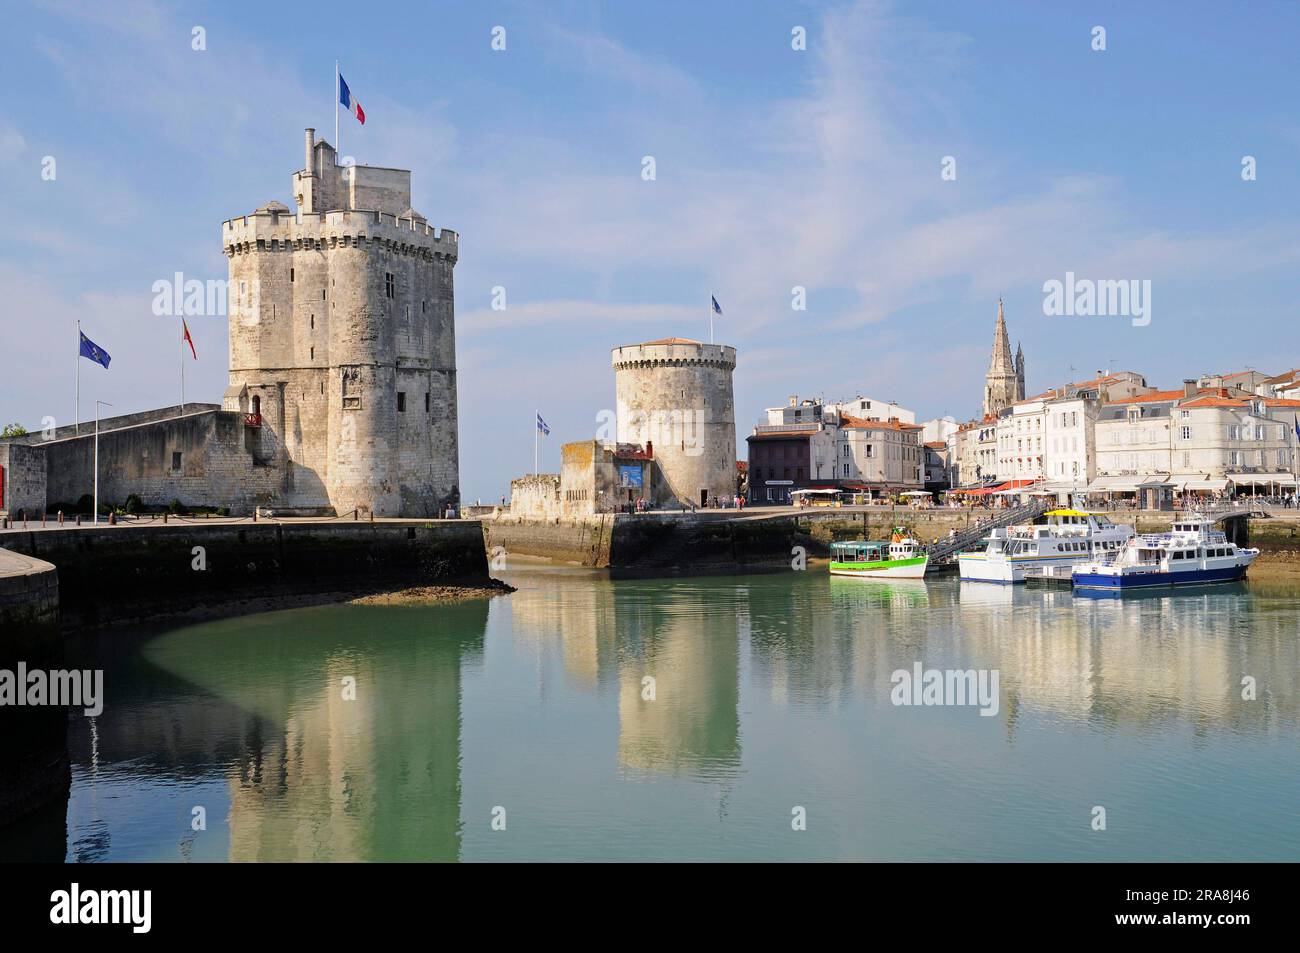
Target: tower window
291 274
388 284
426 402
176 459
313 322
322 294
401 402
312 354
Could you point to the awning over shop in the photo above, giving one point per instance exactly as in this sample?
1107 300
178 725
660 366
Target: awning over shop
1262 479
1115 484
1218 485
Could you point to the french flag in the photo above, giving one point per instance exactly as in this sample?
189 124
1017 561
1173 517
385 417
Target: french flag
350 104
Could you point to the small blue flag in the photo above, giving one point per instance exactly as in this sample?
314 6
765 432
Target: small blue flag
541 425
717 308
1297 426
93 351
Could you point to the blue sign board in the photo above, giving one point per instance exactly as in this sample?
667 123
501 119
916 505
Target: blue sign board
629 477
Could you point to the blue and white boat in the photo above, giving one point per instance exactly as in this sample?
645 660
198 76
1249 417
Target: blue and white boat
1194 554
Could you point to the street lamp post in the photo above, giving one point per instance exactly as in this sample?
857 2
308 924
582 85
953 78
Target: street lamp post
96 503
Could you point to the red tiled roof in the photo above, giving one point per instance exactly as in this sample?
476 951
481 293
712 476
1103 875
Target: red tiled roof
1285 376
672 341
937 444
858 423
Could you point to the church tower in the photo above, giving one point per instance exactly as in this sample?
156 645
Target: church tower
1005 382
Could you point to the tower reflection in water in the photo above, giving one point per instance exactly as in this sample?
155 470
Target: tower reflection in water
309 773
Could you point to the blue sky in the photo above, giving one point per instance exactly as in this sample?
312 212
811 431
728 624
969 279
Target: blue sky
775 168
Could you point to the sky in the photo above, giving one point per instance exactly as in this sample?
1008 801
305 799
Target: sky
821 168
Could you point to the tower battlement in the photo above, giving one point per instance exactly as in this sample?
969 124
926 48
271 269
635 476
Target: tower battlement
271 230
670 352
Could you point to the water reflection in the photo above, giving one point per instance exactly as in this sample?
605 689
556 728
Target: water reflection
310 772
759 684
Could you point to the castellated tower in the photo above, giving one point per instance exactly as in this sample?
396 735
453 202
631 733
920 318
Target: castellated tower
676 395
1004 384
343 344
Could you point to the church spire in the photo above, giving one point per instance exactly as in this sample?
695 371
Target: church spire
1003 383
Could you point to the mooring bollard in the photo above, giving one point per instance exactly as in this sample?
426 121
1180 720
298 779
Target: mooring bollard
112 519
356 514
78 519
255 514
372 516
60 517
164 517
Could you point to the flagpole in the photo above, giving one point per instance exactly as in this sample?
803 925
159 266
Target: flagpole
710 317
337 147
537 415
182 367
78 377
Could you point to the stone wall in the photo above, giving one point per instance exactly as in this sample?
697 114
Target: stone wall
536 496
22 478
217 466
129 573
584 541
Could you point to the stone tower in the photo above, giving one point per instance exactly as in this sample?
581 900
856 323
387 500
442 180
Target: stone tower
676 394
343 344
1005 382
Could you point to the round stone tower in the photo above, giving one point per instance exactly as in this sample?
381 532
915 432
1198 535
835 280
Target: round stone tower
342 342
675 394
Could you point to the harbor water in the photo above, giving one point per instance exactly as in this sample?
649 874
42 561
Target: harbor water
697 719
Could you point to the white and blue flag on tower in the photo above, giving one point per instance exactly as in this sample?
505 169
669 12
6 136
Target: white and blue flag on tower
541 426
717 308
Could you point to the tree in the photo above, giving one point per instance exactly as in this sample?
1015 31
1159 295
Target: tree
13 430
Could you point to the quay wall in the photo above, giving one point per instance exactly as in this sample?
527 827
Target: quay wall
653 545
581 540
35 771
720 542
120 574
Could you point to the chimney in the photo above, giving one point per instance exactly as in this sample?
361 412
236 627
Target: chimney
1189 387
649 448
310 140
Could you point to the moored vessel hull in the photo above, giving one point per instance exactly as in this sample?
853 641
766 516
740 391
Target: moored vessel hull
1153 580
890 569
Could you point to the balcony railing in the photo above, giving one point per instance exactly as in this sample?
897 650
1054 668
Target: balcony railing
252 420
